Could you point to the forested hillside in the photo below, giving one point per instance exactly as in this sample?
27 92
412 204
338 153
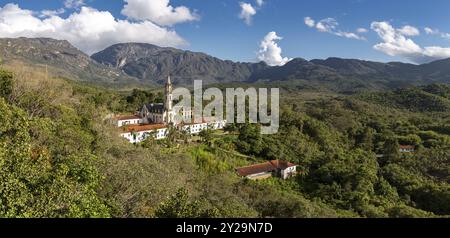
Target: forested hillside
58 158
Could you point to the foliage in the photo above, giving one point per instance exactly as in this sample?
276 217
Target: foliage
6 84
36 181
58 158
179 206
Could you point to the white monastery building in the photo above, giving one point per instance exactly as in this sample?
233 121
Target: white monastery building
154 119
128 120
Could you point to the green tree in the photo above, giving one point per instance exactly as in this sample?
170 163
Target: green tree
365 139
391 149
36 180
250 139
206 135
180 206
6 84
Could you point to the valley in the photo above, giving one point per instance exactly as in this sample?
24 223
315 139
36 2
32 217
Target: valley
54 141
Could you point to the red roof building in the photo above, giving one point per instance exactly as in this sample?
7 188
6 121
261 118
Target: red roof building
278 168
124 120
127 117
407 148
140 128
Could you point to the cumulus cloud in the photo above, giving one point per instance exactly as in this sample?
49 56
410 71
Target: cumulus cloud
431 31
310 22
409 31
158 11
270 52
327 25
247 12
74 3
330 25
80 30
436 52
396 43
49 13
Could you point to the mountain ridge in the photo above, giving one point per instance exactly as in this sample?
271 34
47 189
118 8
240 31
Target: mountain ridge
150 64
61 57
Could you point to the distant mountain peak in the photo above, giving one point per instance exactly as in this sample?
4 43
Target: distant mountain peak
149 64
152 63
60 56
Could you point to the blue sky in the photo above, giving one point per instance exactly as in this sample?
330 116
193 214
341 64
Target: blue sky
218 27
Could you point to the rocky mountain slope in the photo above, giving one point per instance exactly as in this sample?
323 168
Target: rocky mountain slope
152 63
60 57
149 64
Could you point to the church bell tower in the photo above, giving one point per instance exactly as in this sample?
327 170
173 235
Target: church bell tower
168 103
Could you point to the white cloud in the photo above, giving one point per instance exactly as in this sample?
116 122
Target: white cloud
327 25
445 35
396 43
88 29
431 31
330 25
270 52
259 3
158 11
49 13
247 12
362 30
436 52
310 22
74 3
409 31
349 35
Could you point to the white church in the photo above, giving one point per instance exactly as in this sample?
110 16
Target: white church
154 119
163 113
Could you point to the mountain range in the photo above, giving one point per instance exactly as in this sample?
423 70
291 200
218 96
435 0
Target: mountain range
60 58
150 64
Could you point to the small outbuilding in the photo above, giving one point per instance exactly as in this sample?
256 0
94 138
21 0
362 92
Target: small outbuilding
407 149
277 168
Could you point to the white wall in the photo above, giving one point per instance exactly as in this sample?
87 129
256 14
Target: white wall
143 135
162 133
288 171
121 123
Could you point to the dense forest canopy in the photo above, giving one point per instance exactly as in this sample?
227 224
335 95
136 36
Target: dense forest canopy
59 158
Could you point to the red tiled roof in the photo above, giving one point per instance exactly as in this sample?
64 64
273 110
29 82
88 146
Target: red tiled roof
204 120
255 169
139 128
127 117
282 164
193 122
264 167
407 147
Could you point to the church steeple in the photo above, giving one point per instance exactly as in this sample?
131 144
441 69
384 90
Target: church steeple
169 82
168 104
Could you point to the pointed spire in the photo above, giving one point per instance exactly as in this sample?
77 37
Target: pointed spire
169 82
